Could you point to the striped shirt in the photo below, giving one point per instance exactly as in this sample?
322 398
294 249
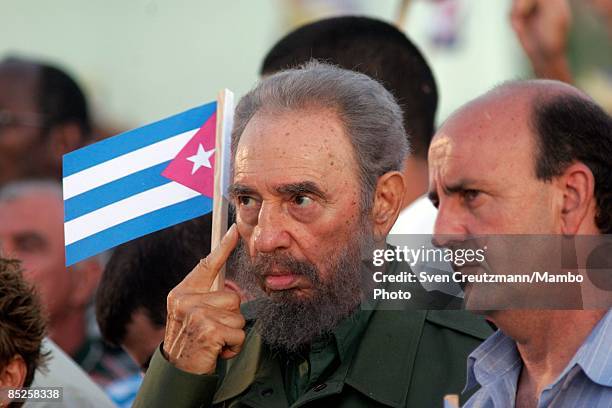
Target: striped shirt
585 382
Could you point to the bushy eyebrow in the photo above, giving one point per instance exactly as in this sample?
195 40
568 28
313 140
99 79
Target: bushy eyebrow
289 189
457 187
236 190
302 187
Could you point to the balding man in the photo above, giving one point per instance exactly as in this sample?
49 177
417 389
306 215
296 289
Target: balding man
35 236
544 168
31 230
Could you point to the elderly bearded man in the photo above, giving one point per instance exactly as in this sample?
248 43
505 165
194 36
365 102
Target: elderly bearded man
546 169
316 185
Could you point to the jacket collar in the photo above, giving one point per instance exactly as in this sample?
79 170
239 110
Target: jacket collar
240 371
376 369
383 364
381 367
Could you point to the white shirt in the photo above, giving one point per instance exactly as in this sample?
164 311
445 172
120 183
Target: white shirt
418 218
414 228
62 371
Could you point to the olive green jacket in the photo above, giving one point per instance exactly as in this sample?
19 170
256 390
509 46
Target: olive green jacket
405 358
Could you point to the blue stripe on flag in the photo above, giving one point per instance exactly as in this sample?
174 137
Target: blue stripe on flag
123 143
137 227
115 191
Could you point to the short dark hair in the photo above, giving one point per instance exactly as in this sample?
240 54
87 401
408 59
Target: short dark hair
141 273
572 128
22 326
376 49
60 99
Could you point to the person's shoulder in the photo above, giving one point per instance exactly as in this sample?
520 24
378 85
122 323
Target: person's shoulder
61 371
460 321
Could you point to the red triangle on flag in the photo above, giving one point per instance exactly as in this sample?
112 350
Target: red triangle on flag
194 166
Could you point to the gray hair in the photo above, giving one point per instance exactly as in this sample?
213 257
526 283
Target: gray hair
16 190
19 189
370 115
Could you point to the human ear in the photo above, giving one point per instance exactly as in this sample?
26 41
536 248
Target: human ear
14 373
86 276
387 202
578 206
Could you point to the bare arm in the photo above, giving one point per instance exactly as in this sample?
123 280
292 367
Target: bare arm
542 27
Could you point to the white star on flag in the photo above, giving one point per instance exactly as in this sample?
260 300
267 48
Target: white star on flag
201 159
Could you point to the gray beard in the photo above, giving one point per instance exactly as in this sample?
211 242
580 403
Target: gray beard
289 323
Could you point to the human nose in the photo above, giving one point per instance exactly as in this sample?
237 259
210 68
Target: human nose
270 233
450 227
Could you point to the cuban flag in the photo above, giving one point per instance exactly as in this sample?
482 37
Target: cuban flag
138 182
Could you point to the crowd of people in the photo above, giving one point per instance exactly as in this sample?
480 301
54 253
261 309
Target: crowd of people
333 150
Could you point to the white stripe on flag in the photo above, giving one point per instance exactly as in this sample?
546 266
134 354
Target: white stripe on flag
125 210
125 165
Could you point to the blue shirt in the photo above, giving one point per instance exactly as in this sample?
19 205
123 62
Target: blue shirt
123 392
585 382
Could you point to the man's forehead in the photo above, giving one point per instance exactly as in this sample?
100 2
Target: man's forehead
453 161
297 128
35 207
483 143
311 142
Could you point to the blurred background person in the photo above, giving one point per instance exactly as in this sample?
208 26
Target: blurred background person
469 45
569 41
131 298
43 115
383 52
542 28
31 230
78 389
26 358
22 329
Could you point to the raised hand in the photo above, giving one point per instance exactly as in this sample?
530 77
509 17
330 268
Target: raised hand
542 27
203 324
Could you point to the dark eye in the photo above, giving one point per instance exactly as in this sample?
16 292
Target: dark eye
470 195
246 201
302 201
30 242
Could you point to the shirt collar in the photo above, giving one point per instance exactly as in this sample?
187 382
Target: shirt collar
593 355
498 356
495 357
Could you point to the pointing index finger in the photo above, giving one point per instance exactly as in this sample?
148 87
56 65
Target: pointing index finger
205 272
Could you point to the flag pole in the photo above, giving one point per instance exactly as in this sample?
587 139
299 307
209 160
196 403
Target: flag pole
225 113
402 12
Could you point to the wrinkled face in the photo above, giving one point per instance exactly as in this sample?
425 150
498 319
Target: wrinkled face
296 192
483 176
297 198
31 230
482 180
20 125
